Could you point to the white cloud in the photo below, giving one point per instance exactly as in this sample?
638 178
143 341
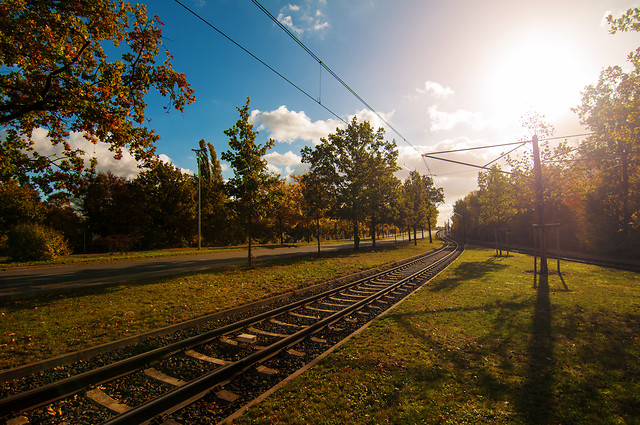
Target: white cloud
285 164
305 18
375 120
288 158
126 167
287 126
165 158
432 89
287 20
446 121
436 89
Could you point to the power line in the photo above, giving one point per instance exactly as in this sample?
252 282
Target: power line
334 75
470 165
474 148
259 60
486 166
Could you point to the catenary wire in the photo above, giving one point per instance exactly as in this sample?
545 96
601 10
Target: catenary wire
260 60
334 75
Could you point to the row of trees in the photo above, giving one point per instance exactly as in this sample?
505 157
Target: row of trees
592 190
85 68
351 181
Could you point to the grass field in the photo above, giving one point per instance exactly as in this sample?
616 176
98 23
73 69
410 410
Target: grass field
479 345
41 327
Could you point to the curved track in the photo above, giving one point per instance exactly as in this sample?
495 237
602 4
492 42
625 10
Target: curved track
208 376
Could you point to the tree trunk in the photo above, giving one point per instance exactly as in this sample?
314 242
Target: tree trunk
250 257
373 232
356 235
429 225
415 235
318 227
626 216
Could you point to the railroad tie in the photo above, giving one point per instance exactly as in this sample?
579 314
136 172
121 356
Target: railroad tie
319 309
98 396
266 370
303 316
293 325
227 396
157 375
267 333
205 358
295 353
20 420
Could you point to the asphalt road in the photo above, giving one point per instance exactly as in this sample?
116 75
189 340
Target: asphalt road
48 279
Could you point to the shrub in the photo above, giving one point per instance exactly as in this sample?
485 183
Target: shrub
35 242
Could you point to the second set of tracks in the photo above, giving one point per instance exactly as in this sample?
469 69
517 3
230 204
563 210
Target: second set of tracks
206 377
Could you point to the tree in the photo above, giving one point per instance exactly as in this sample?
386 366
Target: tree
57 76
610 110
250 184
348 161
416 202
497 198
383 187
213 198
169 203
111 205
433 196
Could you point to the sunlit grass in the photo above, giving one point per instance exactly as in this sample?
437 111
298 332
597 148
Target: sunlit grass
41 327
479 345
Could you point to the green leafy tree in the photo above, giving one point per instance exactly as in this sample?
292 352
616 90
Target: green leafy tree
169 197
610 110
434 196
347 162
111 205
56 75
249 188
415 198
213 197
383 187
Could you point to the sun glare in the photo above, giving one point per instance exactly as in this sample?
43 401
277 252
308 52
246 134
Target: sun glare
539 74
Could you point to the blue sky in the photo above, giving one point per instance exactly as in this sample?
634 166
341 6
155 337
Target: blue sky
446 74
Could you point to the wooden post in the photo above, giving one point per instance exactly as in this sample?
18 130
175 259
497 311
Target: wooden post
535 257
537 168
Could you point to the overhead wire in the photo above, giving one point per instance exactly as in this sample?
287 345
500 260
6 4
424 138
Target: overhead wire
334 75
486 166
260 60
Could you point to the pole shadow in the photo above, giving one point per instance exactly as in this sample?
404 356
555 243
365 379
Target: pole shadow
536 397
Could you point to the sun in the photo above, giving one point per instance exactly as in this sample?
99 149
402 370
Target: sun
537 73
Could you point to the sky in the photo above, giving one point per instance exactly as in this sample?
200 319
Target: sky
445 74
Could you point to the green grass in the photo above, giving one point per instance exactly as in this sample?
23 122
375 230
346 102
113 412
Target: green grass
479 345
40 327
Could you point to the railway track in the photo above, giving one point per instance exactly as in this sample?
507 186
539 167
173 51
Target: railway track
208 376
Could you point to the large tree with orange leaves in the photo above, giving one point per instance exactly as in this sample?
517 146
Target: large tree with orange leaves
56 74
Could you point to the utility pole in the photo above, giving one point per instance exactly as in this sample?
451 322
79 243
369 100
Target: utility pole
537 169
198 153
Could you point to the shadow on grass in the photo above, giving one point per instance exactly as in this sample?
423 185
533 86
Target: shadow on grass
40 299
469 360
468 271
535 400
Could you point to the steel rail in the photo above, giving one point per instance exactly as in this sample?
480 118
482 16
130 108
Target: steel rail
49 393
199 386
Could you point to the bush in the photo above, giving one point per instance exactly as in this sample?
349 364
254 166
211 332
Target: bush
35 242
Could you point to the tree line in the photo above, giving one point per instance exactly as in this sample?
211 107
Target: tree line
349 191
591 188
60 79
